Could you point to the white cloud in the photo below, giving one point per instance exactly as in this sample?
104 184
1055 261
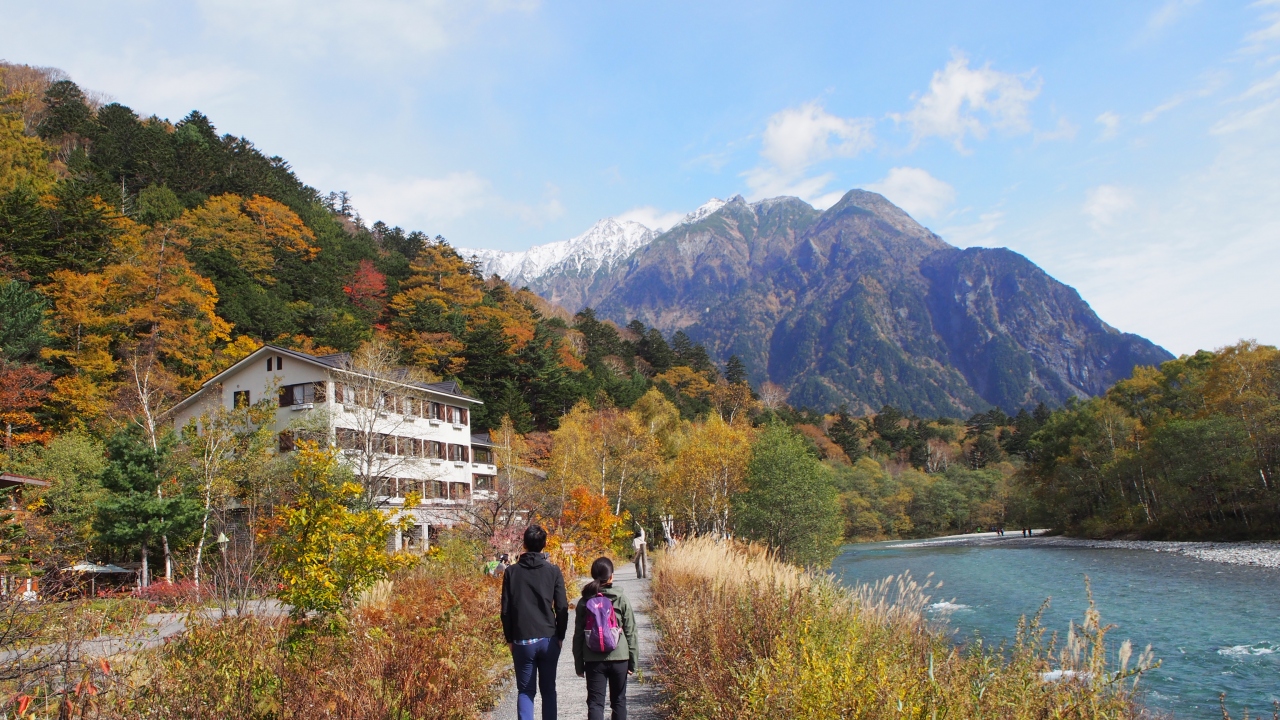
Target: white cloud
1193 267
421 202
1211 85
1169 13
1065 130
1259 39
980 233
767 182
1247 119
964 101
797 138
434 202
1104 204
1261 88
916 191
651 217
1110 123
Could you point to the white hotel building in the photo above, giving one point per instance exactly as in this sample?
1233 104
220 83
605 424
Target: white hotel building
411 439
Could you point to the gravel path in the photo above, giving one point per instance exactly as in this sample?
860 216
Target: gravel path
157 628
1262 554
642 692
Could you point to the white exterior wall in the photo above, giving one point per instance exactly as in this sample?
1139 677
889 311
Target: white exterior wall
413 472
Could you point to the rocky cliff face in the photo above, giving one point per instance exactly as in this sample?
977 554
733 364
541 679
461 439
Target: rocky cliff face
861 305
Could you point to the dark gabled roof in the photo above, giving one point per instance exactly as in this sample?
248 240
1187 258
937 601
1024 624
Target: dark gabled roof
335 361
448 386
482 439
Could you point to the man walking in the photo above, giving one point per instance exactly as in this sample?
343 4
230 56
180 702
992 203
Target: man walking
535 616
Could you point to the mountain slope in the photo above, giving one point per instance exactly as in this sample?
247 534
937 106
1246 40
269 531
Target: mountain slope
861 305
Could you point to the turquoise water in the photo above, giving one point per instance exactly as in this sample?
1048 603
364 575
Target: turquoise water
1215 627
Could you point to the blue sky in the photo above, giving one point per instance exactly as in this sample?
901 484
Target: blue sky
1131 149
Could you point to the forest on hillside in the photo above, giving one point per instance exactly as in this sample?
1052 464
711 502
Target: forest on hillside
140 256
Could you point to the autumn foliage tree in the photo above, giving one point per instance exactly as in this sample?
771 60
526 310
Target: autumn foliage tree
328 547
141 332
709 471
22 389
588 522
368 288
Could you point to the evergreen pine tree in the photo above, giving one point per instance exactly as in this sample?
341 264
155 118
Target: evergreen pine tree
735 371
136 513
655 351
847 434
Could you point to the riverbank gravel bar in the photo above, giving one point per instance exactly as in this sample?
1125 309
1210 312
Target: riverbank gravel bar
1260 554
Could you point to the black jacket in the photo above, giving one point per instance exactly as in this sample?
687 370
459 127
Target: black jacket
534 604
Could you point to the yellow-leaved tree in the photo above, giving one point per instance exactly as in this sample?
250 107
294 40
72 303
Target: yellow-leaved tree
429 315
707 473
327 546
250 231
23 159
588 523
576 450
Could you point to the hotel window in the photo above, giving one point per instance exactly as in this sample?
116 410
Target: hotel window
240 398
303 394
348 439
482 482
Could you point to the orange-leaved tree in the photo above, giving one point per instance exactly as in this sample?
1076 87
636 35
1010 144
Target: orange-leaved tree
588 522
138 334
443 299
253 232
22 389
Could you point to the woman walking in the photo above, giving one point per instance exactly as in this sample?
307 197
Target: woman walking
605 650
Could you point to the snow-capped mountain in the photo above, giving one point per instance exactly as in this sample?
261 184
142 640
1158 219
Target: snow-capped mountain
599 248
604 245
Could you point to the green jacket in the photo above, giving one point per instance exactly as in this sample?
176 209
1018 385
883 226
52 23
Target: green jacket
628 646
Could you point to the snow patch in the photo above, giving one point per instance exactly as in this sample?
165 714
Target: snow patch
602 247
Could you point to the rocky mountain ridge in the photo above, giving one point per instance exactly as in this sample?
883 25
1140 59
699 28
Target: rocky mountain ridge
857 305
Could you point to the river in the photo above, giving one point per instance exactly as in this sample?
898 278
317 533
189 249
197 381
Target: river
1215 627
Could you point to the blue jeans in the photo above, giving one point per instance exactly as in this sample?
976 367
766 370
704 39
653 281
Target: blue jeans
536 670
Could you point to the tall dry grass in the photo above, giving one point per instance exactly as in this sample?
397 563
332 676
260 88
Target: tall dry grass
426 644
745 636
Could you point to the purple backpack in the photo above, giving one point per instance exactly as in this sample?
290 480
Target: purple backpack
603 630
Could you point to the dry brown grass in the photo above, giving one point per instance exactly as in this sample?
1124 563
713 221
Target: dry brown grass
745 636
426 645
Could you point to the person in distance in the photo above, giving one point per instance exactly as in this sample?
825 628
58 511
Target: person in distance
535 617
605 648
